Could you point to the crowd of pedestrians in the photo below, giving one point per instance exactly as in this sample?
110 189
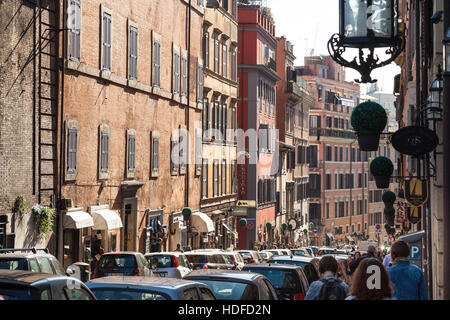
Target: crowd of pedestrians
373 278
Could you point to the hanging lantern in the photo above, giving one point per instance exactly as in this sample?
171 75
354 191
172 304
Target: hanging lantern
187 212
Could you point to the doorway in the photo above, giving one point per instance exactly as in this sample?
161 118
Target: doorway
129 224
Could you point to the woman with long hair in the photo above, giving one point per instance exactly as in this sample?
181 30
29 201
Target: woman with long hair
370 282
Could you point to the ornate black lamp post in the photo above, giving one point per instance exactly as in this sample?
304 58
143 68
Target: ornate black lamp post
366 24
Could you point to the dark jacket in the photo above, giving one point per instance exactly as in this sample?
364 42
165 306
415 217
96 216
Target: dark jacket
355 264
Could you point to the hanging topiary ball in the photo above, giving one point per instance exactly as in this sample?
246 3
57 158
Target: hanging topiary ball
284 225
243 222
389 197
381 167
369 117
290 227
268 225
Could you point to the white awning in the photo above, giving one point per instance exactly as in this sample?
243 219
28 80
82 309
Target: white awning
77 220
230 229
330 235
106 220
202 222
350 239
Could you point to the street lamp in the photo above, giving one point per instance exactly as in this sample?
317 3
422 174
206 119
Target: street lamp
366 24
446 42
434 102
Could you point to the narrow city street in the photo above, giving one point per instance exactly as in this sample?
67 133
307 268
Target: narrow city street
224 150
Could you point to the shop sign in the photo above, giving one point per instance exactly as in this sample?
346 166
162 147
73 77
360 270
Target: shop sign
415 140
416 192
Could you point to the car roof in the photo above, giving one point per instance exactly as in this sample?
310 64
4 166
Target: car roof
175 253
121 252
272 266
226 274
295 258
171 283
24 255
25 277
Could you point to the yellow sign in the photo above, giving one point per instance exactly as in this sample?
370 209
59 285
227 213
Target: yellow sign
414 214
246 203
416 192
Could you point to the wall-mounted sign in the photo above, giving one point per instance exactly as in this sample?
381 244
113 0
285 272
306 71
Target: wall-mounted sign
415 140
238 211
416 192
414 214
246 203
293 223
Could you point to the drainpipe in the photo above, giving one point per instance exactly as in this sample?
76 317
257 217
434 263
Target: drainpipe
186 189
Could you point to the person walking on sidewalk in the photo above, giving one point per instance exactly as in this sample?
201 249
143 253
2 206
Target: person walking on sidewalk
371 250
329 287
408 280
364 286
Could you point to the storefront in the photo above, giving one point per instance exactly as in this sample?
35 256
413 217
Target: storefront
177 232
106 229
202 229
230 236
156 231
76 224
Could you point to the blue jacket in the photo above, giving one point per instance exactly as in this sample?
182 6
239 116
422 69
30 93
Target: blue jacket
408 281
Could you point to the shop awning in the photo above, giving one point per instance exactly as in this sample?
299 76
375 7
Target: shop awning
330 235
77 220
202 222
230 229
106 220
350 239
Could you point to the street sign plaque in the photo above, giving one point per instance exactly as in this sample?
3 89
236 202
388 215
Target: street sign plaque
316 230
378 226
246 203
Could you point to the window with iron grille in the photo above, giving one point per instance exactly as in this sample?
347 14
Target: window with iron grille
75 31
106 65
133 53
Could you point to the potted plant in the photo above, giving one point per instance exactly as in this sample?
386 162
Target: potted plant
369 120
382 169
390 216
44 217
243 222
284 225
389 199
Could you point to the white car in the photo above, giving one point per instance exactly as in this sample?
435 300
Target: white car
237 259
279 252
169 264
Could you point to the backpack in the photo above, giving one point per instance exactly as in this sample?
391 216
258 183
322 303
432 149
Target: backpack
332 289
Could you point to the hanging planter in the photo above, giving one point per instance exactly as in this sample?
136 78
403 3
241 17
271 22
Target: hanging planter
389 199
290 227
390 216
243 222
382 169
369 120
389 230
268 225
305 231
44 217
284 225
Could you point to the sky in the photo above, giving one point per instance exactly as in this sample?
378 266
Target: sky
309 24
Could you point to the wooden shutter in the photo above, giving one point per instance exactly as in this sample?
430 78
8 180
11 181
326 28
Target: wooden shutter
176 72
224 122
224 59
131 152
200 82
156 62
154 153
107 41
206 49
74 32
216 177
133 53
224 177
205 178
184 75
72 150
104 163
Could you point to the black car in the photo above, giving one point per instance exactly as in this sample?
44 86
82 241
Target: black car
26 285
210 260
31 259
235 285
123 264
289 281
306 263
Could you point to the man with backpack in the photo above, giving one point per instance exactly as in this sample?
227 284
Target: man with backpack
329 287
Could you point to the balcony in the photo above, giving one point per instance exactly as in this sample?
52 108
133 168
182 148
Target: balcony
293 87
332 133
271 64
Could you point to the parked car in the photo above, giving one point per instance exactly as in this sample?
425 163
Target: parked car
32 259
28 285
169 264
306 263
300 252
323 251
310 251
314 249
237 259
235 285
251 256
209 260
122 263
289 281
148 288
266 255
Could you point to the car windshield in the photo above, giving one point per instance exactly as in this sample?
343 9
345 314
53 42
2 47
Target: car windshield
117 261
160 261
314 250
227 259
298 252
246 254
228 290
290 262
12 264
196 258
14 294
280 279
264 254
121 294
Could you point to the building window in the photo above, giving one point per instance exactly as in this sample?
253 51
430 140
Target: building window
224 58
199 81
131 153
216 55
206 120
328 153
106 65
224 177
206 49
75 31
154 153
205 178
216 178
224 126
174 156
133 53
233 63
156 60
225 5
234 8
176 71
104 151
233 178
328 182
183 145
72 150
183 75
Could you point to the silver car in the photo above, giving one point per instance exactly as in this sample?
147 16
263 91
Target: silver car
169 264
